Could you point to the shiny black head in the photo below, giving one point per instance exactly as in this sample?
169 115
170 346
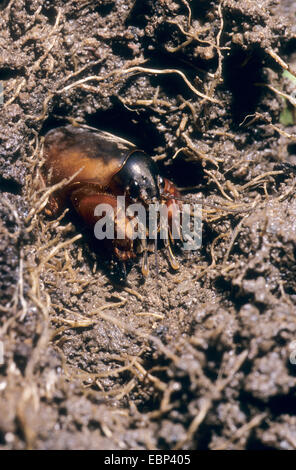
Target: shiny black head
138 178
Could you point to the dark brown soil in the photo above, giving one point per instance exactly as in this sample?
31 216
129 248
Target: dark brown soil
194 359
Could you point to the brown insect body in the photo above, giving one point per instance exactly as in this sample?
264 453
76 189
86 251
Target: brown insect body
101 167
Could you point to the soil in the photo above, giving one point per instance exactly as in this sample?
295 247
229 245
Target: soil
201 358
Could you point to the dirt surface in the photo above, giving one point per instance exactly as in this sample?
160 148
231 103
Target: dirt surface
194 359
